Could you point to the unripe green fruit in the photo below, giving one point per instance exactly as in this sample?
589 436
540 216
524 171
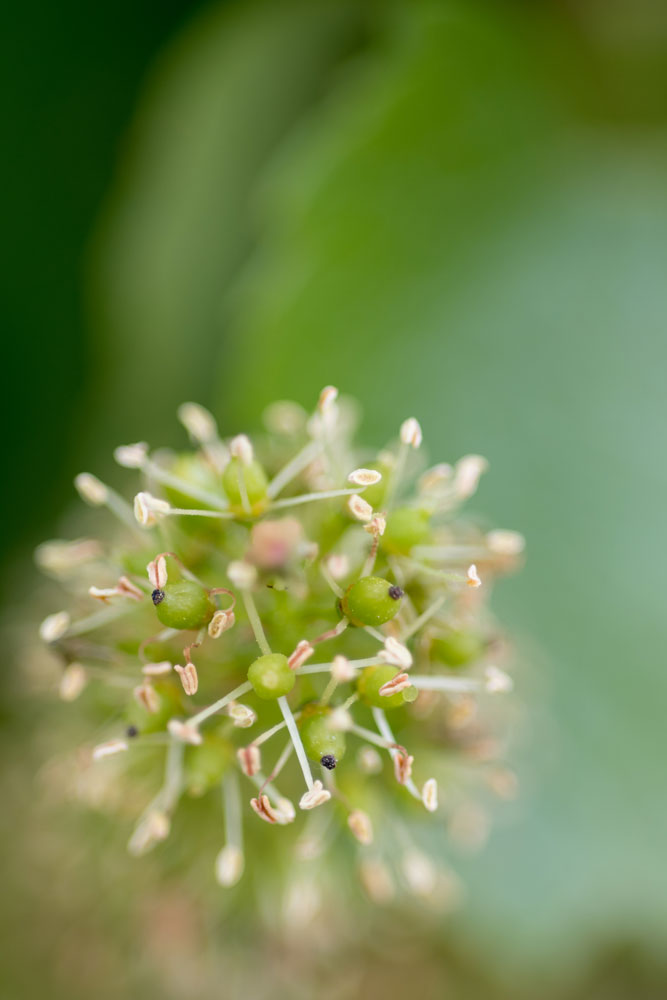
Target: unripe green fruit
205 764
371 601
183 605
191 469
372 679
254 478
457 648
318 738
406 526
271 676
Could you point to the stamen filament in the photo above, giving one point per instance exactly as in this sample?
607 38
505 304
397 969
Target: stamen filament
231 797
423 618
160 475
308 497
255 621
385 729
441 683
217 706
296 465
324 668
296 740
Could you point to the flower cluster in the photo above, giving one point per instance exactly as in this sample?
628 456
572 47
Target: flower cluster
294 591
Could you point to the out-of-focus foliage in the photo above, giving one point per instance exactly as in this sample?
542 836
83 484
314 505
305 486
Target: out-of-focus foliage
461 209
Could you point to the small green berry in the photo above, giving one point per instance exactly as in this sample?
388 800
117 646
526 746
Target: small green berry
406 526
319 739
253 477
183 605
371 601
457 648
271 676
372 679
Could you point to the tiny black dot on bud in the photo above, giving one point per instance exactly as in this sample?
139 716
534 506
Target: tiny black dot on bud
396 592
157 597
131 731
328 761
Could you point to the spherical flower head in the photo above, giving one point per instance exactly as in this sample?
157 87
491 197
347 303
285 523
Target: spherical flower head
302 611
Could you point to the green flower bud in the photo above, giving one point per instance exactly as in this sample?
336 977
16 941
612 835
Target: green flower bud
271 676
183 605
457 648
253 477
372 679
319 739
406 526
371 601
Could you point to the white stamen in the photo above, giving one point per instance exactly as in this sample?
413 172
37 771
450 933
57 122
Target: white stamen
315 796
188 675
436 477
396 653
302 653
54 626
472 576
505 543
430 794
327 399
265 810
497 681
394 686
250 760
360 824
241 448
403 767
293 731
340 720
364 477
155 669
411 432
467 475
221 622
147 697
242 574
376 526
72 682
198 422
285 810
157 573
91 489
152 829
338 566
147 508
229 865
369 760
419 873
377 881
131 456
61 557
183 732
109 748
241 715
342 670
359 508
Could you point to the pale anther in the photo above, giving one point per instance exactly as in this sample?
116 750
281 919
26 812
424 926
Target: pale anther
364 477
131 456
411 432
359 508
91 489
